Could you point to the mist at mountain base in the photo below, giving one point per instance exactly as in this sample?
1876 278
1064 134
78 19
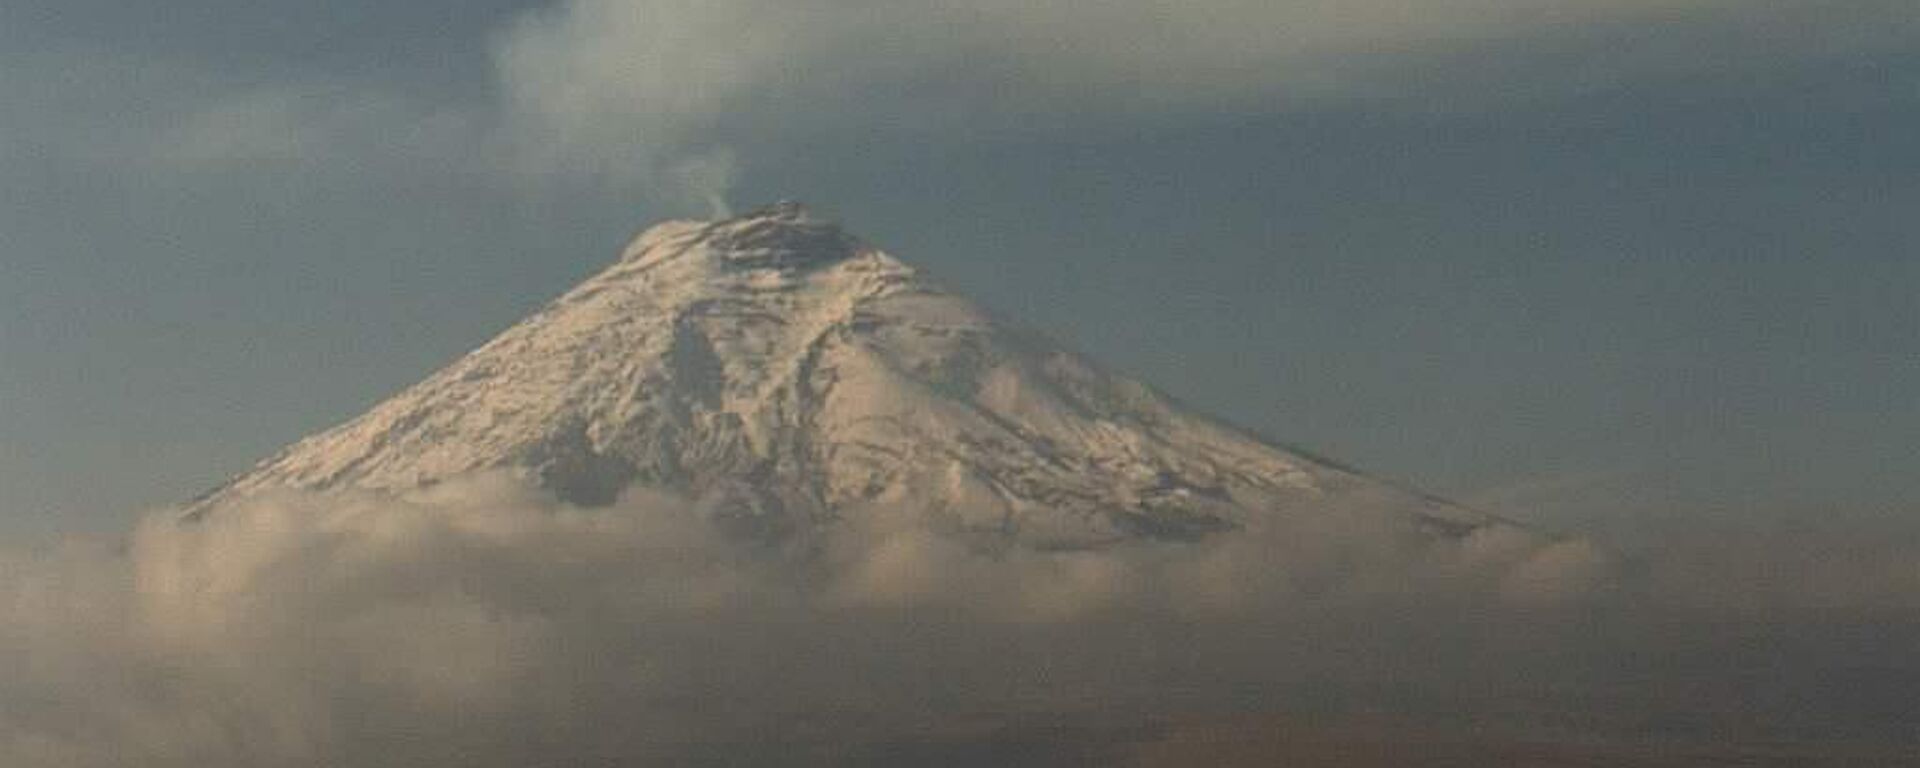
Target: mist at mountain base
487 623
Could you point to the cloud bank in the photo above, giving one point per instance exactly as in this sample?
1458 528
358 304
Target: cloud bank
608 85
671 97
483 623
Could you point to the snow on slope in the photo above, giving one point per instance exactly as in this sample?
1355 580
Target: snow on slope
788 374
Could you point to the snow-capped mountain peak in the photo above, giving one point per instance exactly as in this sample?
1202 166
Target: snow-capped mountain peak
788 374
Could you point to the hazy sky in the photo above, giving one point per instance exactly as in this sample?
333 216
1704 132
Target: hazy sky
1598 264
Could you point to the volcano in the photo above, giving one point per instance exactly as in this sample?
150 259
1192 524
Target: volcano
787 374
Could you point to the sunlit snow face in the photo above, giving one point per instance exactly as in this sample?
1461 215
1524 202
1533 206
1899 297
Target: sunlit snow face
775 366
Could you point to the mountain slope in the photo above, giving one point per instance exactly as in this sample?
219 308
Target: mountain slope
786 374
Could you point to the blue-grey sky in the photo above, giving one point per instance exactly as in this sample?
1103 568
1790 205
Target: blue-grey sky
1608 265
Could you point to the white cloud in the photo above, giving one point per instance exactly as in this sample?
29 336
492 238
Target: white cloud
485 621
672 97
482 623
611 86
